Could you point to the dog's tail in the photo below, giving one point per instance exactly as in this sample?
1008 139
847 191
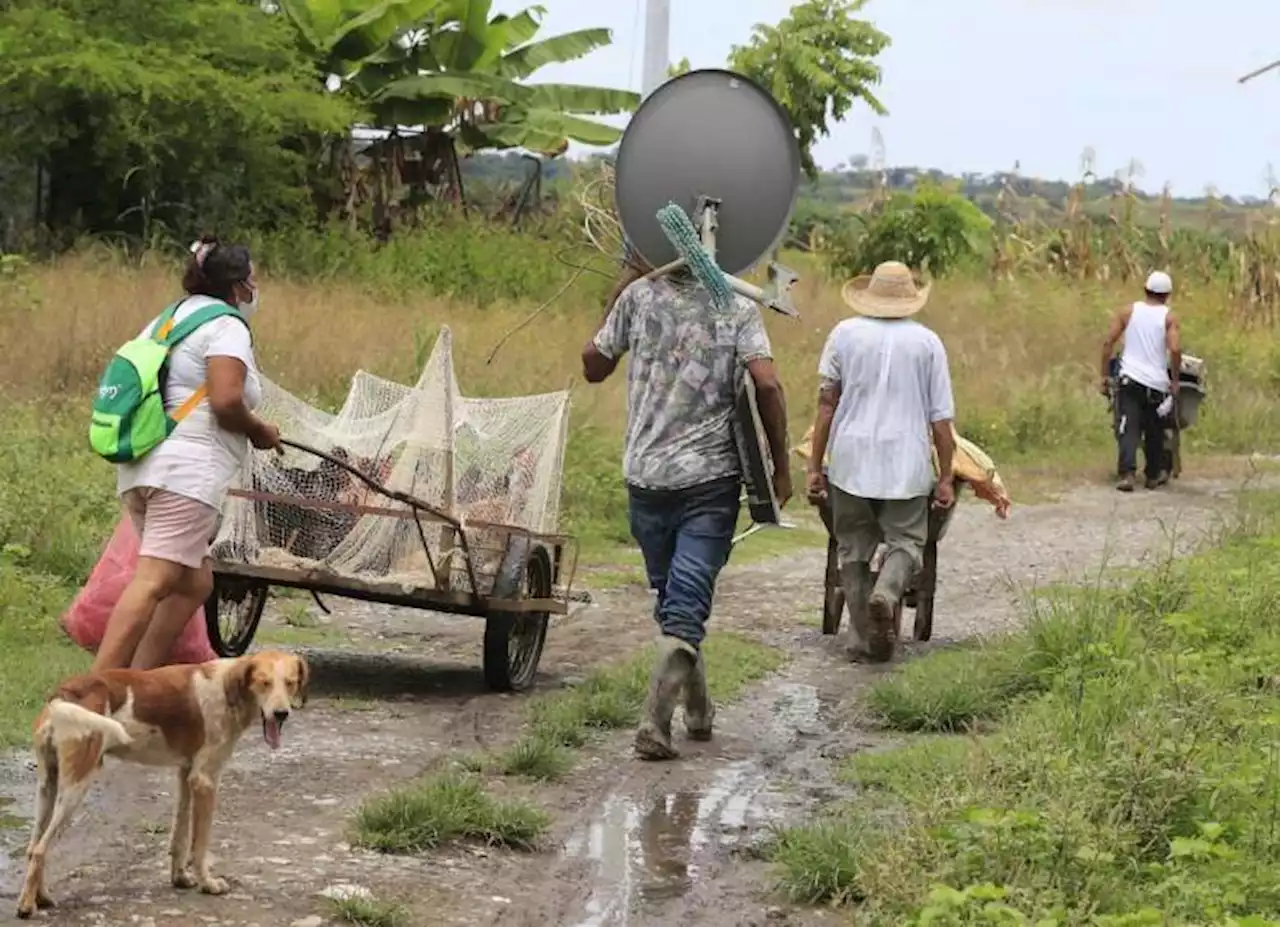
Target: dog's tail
70 721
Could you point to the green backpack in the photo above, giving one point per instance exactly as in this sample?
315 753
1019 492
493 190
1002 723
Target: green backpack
129 418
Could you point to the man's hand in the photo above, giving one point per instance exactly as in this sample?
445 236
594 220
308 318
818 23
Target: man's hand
816 487
1104 386
265 436
782 486
944 494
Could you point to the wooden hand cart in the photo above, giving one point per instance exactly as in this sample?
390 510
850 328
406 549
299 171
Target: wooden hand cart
920 592
516 606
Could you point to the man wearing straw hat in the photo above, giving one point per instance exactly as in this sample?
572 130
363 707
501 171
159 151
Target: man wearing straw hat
884 386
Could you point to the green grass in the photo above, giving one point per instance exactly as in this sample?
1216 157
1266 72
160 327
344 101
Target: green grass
57 500
540 759
1120 764
611 698
35 655
976 682
369 912
444 808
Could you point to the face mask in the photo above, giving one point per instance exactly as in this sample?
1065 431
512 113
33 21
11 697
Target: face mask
248 309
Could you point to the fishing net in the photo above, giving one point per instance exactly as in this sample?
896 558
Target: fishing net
484 461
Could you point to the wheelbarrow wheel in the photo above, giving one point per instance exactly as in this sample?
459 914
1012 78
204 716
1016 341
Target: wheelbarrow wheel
232 613
924 618
926 592
513 641
833 594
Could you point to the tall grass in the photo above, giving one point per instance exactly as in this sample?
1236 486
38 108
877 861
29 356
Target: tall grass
1023 353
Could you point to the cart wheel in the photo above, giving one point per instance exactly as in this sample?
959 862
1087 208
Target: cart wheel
232 613
513 641
833 594
832 611
927 589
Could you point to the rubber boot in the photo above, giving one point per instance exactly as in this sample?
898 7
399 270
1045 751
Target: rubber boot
895 573
856 579
672 667
699 710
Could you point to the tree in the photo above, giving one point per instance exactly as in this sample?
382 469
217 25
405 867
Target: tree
140 115
933 228
817 63
449 65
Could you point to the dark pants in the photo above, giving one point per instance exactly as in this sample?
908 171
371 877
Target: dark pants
685 536
1136 419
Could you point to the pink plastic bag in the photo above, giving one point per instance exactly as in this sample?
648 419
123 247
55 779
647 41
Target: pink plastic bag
86 620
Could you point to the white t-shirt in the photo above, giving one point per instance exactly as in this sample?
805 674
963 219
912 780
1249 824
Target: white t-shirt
894 383
200 458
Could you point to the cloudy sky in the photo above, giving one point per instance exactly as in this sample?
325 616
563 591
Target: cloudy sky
977 85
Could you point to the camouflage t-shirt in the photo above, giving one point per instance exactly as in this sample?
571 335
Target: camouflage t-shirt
681 382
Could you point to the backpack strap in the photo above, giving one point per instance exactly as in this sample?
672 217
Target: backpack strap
170 334
164 321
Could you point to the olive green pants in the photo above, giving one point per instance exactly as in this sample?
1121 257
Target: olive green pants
860 526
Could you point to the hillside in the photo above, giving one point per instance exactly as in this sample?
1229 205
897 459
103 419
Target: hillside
852 187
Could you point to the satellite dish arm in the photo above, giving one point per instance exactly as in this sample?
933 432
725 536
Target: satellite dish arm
781 279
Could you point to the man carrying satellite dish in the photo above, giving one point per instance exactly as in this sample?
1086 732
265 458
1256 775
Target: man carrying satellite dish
682 466
884 386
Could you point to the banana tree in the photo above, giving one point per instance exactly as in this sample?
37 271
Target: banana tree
458 72
449 65
467 74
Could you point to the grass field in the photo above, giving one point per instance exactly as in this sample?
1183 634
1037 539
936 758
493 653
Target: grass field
1115 764
1023 359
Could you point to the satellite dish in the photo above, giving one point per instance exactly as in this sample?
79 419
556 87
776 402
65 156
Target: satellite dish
708 134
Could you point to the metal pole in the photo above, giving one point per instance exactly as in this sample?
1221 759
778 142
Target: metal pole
1258 73
657 36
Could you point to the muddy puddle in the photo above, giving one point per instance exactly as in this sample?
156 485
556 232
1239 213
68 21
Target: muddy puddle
15 798
650 848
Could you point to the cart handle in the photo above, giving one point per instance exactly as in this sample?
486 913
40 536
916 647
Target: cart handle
373 484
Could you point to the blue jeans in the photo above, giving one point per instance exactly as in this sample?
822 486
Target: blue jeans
685 536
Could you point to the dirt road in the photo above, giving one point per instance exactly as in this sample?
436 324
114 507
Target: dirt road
633 843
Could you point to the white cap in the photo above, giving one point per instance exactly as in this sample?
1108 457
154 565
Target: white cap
1159 283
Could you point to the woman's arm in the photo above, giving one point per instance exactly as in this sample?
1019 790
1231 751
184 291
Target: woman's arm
226 376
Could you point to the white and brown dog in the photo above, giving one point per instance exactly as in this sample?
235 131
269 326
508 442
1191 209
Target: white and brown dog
187 717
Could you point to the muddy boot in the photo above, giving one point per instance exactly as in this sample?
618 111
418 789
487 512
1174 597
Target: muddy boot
1125 483
699 710
895 573
856 578
672 667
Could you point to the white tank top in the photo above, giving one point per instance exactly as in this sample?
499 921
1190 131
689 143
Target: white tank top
1145 356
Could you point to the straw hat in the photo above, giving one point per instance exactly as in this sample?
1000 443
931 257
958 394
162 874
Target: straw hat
891 292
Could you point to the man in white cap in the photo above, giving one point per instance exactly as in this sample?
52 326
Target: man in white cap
884 387
1152 347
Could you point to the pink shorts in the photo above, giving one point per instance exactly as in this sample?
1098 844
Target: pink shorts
171 527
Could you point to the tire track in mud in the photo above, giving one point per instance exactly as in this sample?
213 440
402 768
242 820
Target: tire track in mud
633 843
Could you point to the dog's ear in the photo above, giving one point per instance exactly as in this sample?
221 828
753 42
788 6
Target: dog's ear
304 681
236 680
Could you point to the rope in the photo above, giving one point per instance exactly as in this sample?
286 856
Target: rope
602 232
